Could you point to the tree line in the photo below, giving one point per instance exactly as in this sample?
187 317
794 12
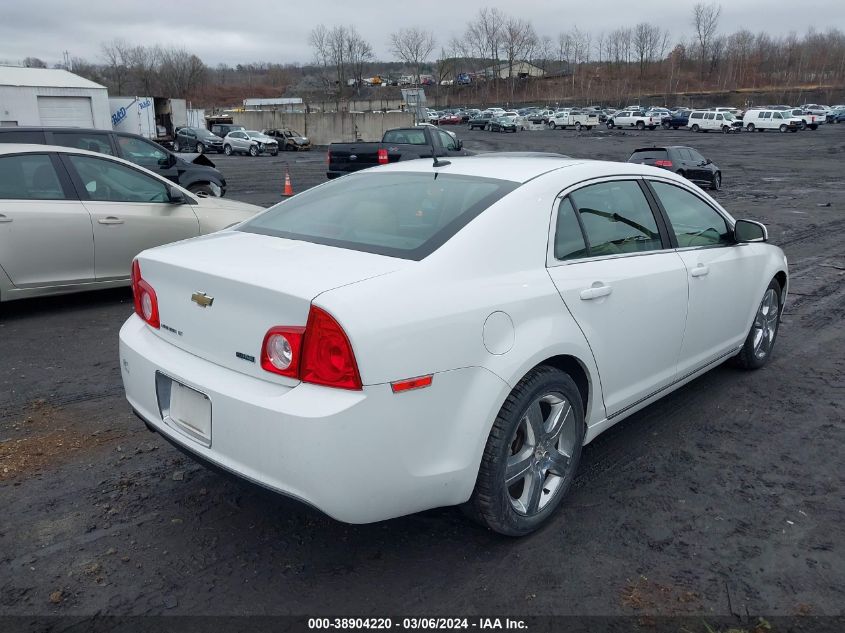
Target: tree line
608 65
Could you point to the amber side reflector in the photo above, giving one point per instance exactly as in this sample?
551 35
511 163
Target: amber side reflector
412 383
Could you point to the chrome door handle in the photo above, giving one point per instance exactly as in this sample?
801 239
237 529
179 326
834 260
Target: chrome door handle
110 220
595 292
3 218
699 271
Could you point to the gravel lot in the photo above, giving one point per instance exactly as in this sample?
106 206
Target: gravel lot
723 499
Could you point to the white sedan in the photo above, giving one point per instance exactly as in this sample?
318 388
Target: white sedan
414 336
73 220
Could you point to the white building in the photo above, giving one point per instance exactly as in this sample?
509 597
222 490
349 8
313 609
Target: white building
51 97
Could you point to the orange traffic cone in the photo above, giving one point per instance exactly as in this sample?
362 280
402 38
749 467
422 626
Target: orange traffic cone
288 187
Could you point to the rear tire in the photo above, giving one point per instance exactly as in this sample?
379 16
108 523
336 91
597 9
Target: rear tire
532 451
758 346
640 125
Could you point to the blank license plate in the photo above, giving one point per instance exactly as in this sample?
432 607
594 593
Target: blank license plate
187 410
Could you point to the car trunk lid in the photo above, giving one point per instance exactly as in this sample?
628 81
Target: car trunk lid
218 295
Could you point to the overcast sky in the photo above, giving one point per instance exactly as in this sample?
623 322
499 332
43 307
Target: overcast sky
277 30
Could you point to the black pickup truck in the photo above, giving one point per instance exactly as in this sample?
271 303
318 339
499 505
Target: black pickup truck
406 143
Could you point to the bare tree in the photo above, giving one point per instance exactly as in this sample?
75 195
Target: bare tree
490 23
413 46
647 38
116 56
320 42
144 68
180 72
705 19
34 62
518 41
359 53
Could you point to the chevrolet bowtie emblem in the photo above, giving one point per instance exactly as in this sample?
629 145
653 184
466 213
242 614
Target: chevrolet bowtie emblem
202 299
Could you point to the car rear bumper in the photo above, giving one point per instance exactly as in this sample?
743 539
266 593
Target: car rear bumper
358 456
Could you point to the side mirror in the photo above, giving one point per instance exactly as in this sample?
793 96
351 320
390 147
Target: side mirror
750 231
176 196
707 161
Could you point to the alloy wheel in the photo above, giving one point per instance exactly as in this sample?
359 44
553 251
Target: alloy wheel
766 324
541 450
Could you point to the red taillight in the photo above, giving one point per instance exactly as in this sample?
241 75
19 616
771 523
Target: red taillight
382 157
320 353
146 302
328 158
663 163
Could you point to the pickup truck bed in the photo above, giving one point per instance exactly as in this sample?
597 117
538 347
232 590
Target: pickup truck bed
396 145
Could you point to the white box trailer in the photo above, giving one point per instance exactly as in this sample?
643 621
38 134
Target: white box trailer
135 115
196 118
155 118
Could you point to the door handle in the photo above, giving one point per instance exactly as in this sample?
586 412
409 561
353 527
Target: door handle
699 271
4 219
595 292
110 220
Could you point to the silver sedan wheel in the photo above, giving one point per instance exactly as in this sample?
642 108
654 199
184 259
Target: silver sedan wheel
541 452
766 324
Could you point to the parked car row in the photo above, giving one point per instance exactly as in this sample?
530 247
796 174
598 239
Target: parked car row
231 139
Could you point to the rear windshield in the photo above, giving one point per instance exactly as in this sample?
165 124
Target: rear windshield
412 137
648 155
399 214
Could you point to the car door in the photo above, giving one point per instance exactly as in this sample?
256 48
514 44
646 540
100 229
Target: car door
613 265
46 237
130 211
724 277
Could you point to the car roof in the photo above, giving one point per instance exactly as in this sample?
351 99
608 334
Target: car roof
518 169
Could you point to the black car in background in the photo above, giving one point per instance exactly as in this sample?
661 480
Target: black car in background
481 122
684 161
222 129
502 124
197 139
199 177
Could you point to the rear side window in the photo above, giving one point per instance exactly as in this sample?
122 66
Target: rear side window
35 137
407 215
92 141
29 177
142 152
616 218
569 240
697 115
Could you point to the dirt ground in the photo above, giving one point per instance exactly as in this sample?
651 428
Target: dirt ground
726 498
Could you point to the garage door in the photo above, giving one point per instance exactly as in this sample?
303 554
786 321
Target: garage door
66 111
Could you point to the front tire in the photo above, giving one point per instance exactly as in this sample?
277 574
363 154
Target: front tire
253 150
227 149
716 181
531 455
760 341
203 190
749 127
610 125
695 128
783 128
200 148
176 147
577 126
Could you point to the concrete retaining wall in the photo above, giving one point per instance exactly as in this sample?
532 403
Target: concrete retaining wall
324 128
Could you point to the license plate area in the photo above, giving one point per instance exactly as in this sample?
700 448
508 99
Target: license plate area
184 409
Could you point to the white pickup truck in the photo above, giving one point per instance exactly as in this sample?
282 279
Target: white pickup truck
633 118
574 118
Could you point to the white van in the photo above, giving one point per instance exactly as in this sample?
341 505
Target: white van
706 120
761 120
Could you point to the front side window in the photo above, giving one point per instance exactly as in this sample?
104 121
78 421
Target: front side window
142 152
29 177
91 141
105 180
617 218
447 141
694 222
399 214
